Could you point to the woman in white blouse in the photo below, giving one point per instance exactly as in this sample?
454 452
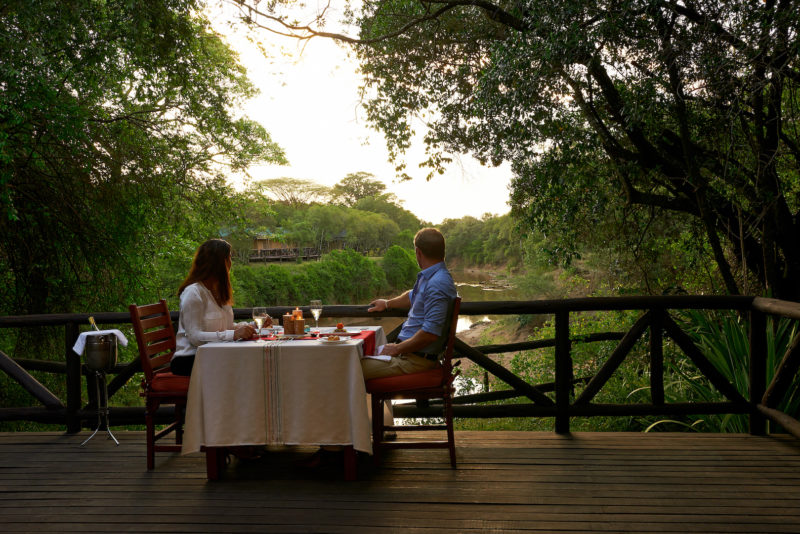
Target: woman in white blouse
206 305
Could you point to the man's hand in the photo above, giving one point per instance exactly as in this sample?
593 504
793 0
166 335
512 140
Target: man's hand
378 305
390 349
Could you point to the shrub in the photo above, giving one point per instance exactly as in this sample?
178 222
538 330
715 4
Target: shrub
400 266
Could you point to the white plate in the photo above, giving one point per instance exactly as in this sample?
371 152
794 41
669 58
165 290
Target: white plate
329 341
345 333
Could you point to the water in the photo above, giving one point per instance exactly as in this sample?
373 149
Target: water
479 286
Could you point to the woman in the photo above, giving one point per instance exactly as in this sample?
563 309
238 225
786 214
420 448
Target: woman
206 305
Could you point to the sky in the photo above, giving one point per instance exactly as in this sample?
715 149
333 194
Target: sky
309 104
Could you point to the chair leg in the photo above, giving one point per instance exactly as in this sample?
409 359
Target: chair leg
179 415
377 429
448 417
150 434
215 461
350 466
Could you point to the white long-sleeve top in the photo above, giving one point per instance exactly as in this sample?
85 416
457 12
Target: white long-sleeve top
202 320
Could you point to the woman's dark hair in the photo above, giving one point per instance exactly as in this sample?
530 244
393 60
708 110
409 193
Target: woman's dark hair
210 263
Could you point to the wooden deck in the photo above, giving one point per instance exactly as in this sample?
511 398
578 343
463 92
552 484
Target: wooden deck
506 482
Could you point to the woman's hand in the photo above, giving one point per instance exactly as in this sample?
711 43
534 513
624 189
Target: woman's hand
243 331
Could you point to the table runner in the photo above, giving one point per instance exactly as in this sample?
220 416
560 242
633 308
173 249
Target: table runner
367 335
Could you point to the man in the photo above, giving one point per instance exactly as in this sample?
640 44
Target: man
428 303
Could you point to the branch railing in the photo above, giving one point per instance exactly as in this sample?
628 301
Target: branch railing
557 399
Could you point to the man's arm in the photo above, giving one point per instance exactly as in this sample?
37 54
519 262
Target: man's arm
402 302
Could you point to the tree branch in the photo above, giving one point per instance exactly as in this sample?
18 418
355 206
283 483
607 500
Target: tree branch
302 32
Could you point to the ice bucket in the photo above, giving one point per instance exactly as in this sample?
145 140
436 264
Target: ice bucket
101 352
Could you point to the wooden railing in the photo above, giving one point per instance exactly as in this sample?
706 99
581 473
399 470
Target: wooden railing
284 254
760 404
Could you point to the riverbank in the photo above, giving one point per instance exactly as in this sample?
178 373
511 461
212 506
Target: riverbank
498 332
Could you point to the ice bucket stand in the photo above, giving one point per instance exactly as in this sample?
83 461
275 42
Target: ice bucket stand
101 355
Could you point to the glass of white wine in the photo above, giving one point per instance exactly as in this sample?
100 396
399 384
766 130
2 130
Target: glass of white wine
259 316
316 311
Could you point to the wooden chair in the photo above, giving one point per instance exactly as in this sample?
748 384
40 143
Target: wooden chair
156 339
432 384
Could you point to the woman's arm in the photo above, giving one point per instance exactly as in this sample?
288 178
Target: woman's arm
204 321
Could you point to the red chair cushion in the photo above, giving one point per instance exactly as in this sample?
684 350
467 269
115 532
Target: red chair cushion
169 382
426 379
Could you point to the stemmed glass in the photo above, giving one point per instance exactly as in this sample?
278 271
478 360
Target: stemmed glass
259 316
316 311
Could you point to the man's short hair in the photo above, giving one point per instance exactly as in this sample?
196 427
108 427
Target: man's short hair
430 242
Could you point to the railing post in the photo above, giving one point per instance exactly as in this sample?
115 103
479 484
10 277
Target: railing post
563 372
73 378
657 358
758 370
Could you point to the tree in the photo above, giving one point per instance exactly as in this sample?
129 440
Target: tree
117 121
328 223
368 231
357 186
295 191
404 218
688 108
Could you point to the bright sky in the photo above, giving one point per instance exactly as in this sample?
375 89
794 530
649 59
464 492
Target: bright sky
309 103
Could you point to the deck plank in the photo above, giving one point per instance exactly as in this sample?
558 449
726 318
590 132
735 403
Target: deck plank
506 482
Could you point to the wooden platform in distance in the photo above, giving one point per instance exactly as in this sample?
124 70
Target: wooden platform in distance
506 482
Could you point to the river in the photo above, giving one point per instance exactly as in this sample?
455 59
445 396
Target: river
480 286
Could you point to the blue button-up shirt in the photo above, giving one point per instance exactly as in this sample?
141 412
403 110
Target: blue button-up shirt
430 299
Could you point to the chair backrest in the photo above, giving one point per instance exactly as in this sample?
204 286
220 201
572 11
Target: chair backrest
451 336
154 335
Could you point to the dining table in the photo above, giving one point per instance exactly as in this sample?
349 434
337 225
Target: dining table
281 390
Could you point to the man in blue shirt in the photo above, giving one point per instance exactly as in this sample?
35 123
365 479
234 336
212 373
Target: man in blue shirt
428 303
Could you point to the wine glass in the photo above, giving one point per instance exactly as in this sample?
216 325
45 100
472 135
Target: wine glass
259 316
316 311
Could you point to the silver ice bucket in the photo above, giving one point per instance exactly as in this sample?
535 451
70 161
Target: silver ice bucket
101 352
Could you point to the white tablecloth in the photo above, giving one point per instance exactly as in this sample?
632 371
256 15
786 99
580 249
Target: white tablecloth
278 393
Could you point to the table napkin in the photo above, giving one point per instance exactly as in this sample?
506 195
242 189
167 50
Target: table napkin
378 355
81 343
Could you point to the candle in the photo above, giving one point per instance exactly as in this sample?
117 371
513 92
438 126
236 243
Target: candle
288 324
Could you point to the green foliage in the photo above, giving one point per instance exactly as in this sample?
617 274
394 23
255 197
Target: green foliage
357 186
400 267
115 119
405 220
613 116
293 192
629 384
723 338
371 226
341 277
490 240
404 239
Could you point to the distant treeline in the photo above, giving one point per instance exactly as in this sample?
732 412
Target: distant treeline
491 240
341 277
356 213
